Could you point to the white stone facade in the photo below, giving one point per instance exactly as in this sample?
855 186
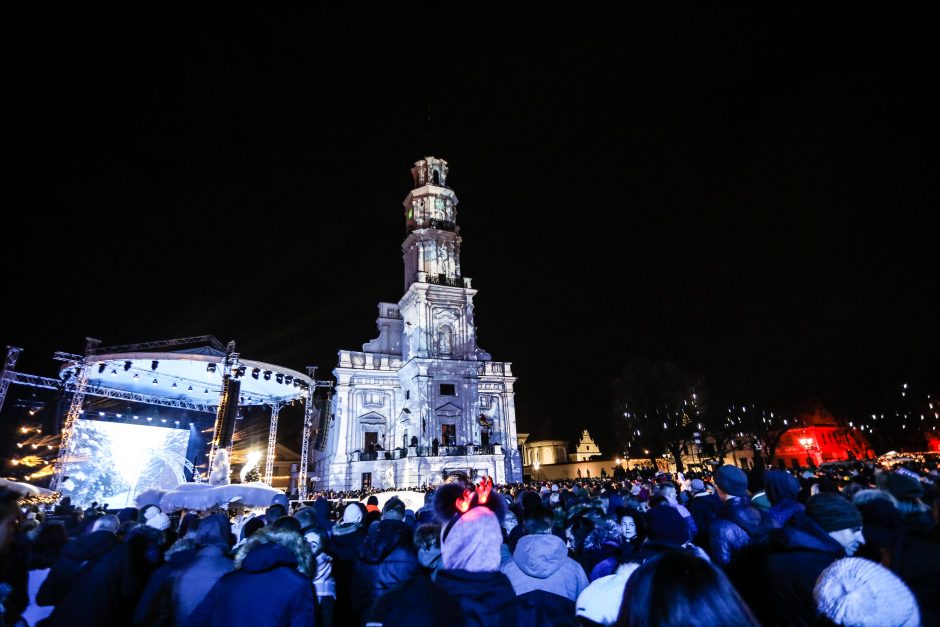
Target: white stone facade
422 399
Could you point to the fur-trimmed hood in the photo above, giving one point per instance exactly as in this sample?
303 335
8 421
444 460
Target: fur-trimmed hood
252 557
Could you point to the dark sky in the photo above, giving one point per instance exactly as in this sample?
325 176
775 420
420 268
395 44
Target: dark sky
752 195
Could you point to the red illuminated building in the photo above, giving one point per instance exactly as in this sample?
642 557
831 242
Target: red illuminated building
822 439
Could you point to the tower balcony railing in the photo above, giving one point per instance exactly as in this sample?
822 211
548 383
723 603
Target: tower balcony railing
443 279
441 225
426 451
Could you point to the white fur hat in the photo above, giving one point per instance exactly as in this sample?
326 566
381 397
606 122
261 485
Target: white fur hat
856 592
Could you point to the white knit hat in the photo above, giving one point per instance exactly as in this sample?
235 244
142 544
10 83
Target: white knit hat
600 601
856 592
352 514
159 521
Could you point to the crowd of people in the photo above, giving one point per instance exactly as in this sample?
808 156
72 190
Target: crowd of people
859 546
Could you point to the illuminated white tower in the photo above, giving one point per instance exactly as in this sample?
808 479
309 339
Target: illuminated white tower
422 399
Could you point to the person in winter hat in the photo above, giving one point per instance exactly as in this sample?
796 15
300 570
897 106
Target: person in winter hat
470 553
600 601
839 518
738 523
387 558
777 578
855 592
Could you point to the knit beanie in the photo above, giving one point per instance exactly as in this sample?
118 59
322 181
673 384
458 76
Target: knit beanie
667 525
903 486
856 592
882 520
159 521
473 543
696 486
731 480
352 514
833 512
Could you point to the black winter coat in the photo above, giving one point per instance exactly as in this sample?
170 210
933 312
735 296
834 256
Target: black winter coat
777 579
486 599
266 591
737 525
388 558
96 581
419 602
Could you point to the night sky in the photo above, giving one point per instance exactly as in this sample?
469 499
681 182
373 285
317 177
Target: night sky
751 195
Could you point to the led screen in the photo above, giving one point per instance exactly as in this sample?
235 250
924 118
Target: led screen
112 462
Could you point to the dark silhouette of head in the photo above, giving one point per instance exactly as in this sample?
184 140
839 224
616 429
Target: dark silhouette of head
678 589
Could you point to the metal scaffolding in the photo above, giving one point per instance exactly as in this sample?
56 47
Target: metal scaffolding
13 354
272 444
75 408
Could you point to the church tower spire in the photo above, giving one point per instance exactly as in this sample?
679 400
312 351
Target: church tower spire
432 247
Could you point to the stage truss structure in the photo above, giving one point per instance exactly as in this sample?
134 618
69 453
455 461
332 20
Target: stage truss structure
78 378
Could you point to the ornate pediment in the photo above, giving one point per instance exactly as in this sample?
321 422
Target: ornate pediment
373 418
448 409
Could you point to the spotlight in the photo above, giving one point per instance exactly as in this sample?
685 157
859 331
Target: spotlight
240 372
189 389
210 368
136 417
205 391
154 364
255 372
174 385
149 418
118 415
288 379
279 378
101 413
154 381
163 420
267 375
101 367
127 366
136 376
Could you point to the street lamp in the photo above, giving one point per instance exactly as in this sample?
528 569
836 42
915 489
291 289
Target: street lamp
536 465
807 444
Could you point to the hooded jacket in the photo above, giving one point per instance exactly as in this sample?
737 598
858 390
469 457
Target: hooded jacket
541 562
268 572
387 558
782 489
